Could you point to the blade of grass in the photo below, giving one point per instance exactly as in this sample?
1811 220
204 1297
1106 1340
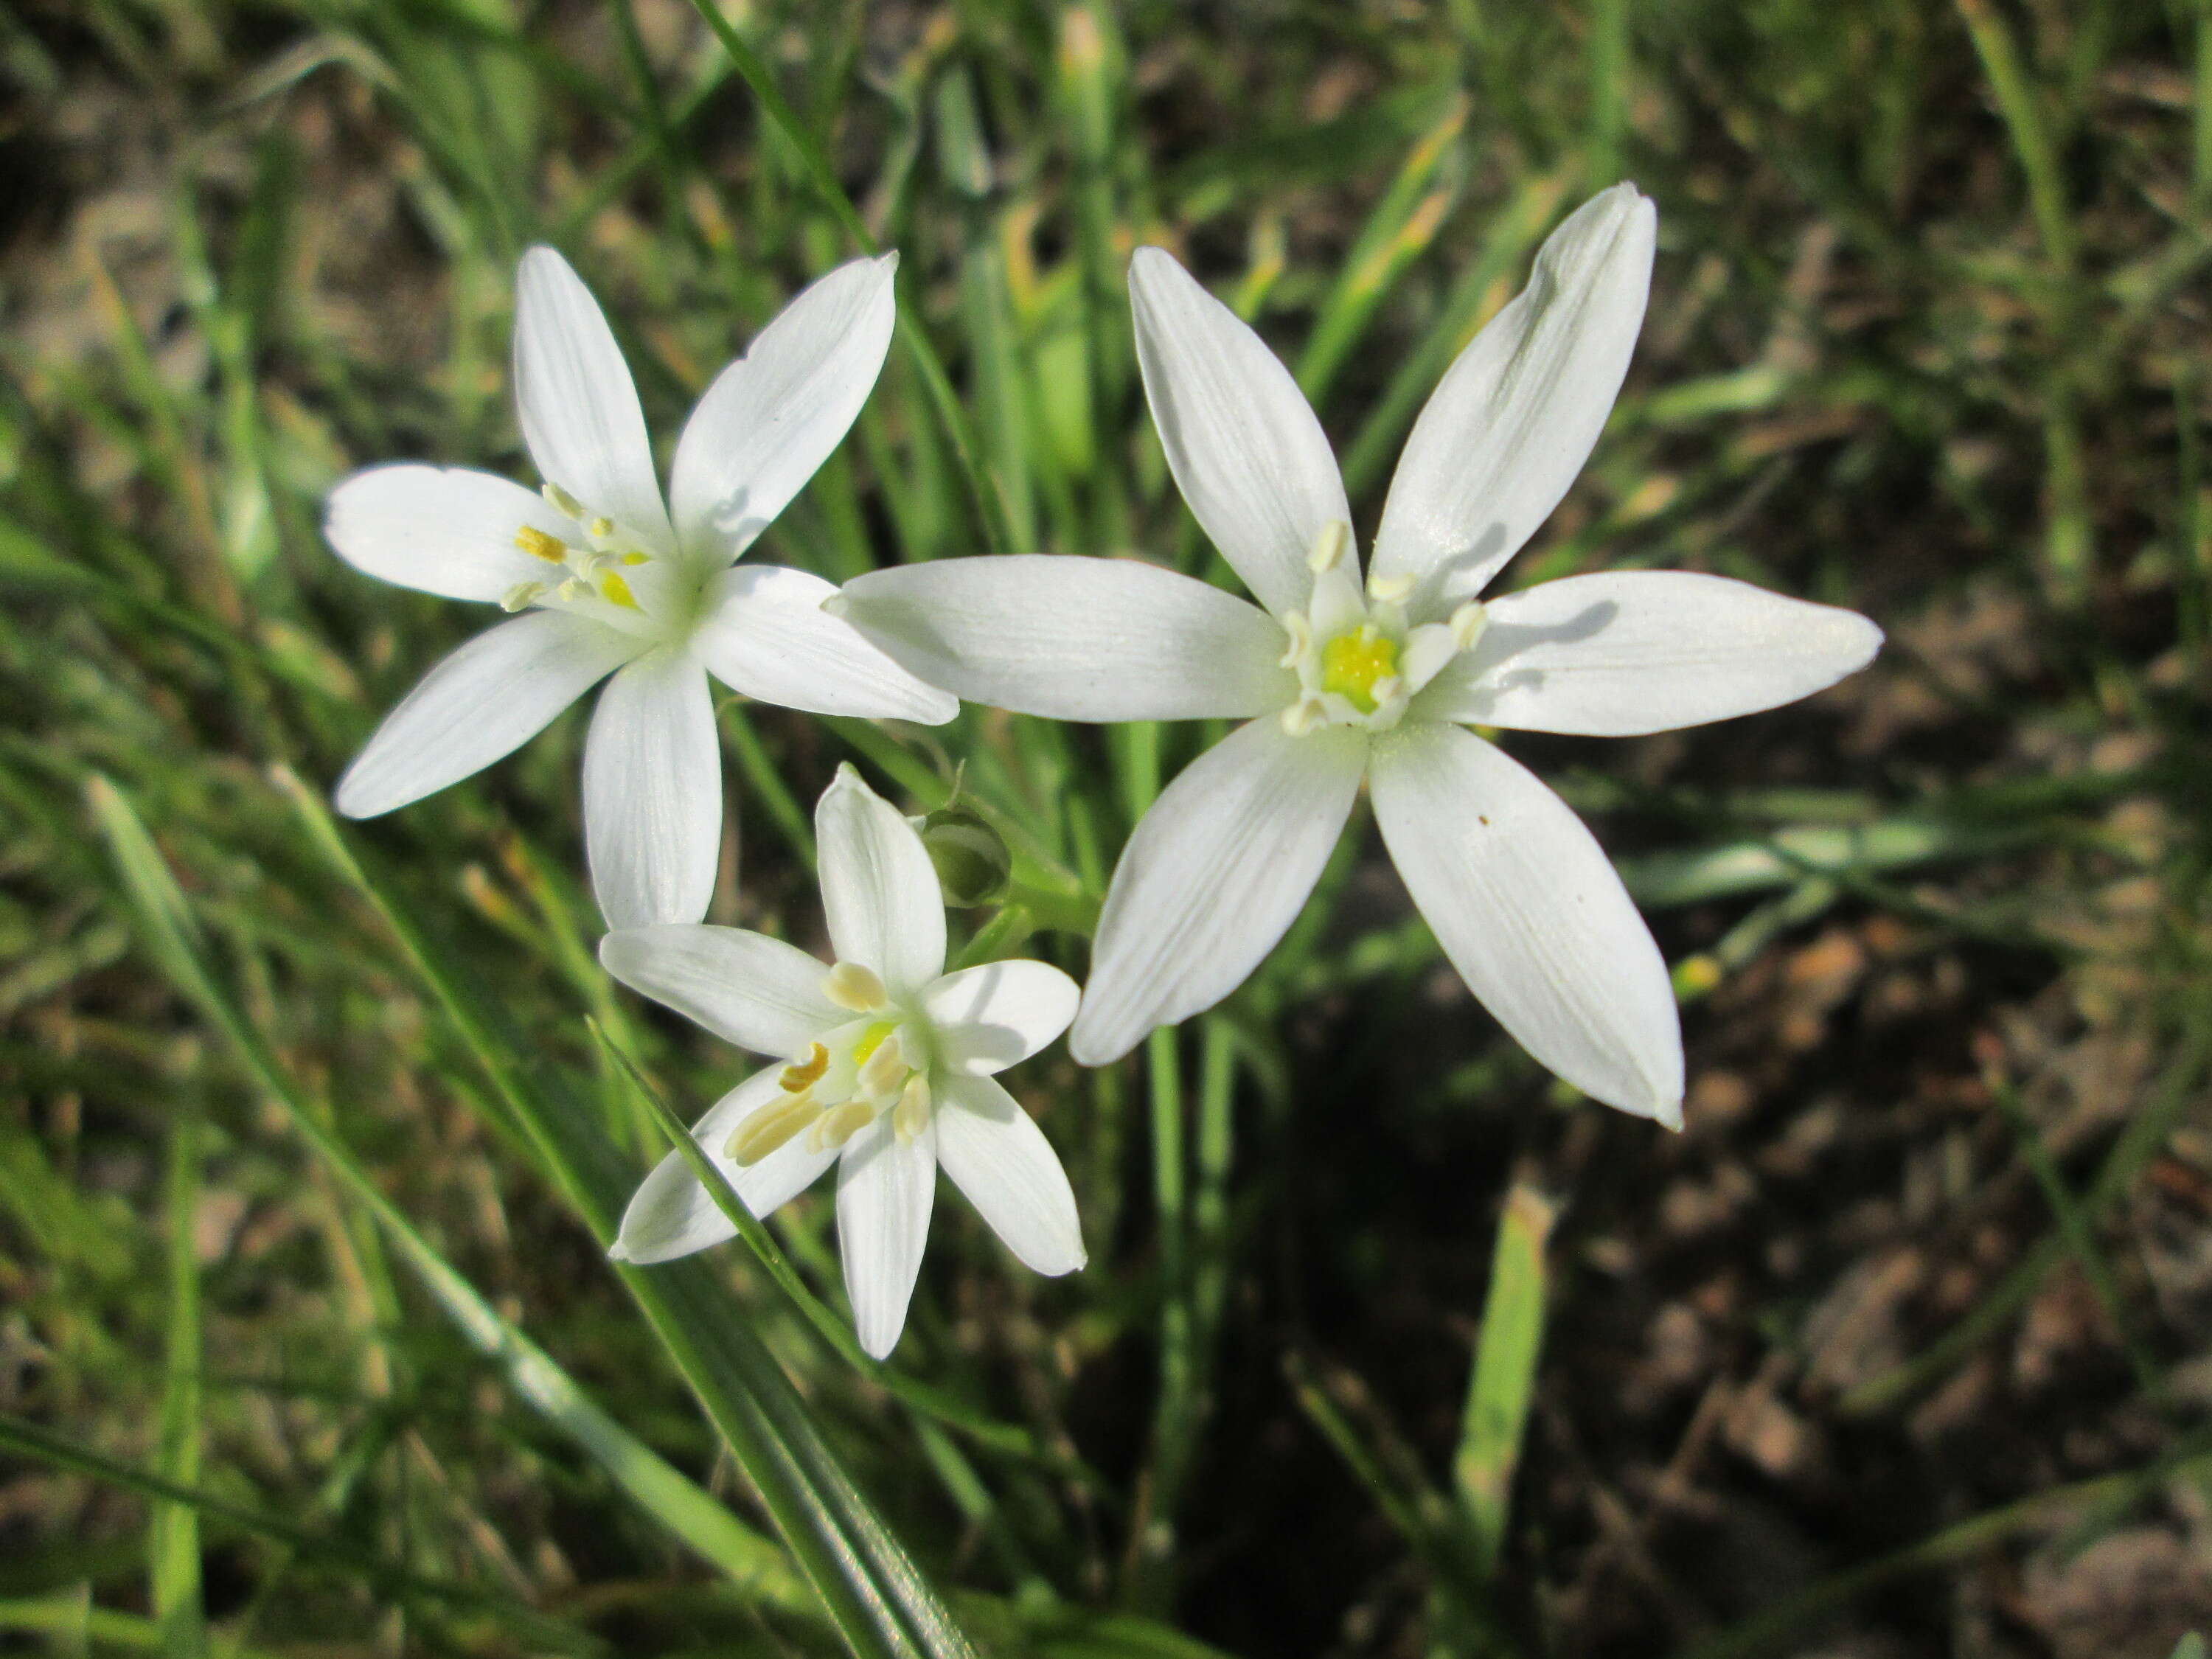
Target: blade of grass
173 1539
1504 1379
346 1554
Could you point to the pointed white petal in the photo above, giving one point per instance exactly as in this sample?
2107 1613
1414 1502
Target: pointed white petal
745 987
1246 451
987 1018
673 1215
1525 903
1215 873
1075 639
484 702
1629 652
879 890
773 417
442 530
885 1188
765 634
580 411
1000 1159
1513 420
652 794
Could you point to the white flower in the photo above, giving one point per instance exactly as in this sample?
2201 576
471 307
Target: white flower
889 1072
1344 680
611 583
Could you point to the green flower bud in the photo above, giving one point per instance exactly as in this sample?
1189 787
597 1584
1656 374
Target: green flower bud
973 863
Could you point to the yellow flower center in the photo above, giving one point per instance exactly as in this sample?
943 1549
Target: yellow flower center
872 1039
1353 665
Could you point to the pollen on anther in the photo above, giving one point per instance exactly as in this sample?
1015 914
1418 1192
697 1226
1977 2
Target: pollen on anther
804 1073
539 545
854 985
617 591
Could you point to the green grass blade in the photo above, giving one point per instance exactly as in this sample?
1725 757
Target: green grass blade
173 1539
1504 1380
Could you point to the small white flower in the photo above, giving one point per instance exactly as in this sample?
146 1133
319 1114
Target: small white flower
888 1071
613 584
1344 680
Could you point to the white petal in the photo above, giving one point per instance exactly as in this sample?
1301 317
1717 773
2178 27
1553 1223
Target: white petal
879 890
1513 420
765 634
987 1018
1524 903
1247 453
773 417
998 1157
1618 654
580 411
1075 639
885 1187
745 987
484 702
652 794
1212 877
442 530
672 1214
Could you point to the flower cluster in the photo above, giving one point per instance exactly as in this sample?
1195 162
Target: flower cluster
1388 676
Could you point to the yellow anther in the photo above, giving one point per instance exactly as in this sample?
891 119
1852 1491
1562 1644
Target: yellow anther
803 1074
1328 546
884 1067
768 1128
539 545
1390 589
521 596
911 1116
1467 623
850 985
1355 667
617 591
562 501
839 1125
601 528
635 558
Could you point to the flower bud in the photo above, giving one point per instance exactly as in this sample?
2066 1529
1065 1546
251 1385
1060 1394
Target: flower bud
973 863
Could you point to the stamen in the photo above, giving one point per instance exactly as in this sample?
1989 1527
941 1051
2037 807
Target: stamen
617 591
911 1116
1328 546
601 528
885 1067
1301 633
636 559
803 1074
839 1125
571 590
1467 623
539 545
521 596
769 1128
1390 589
562 501
851 985
1302 716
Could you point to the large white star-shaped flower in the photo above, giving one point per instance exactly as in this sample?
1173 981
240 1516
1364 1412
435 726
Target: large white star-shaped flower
1343 680
615 582
889 1070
